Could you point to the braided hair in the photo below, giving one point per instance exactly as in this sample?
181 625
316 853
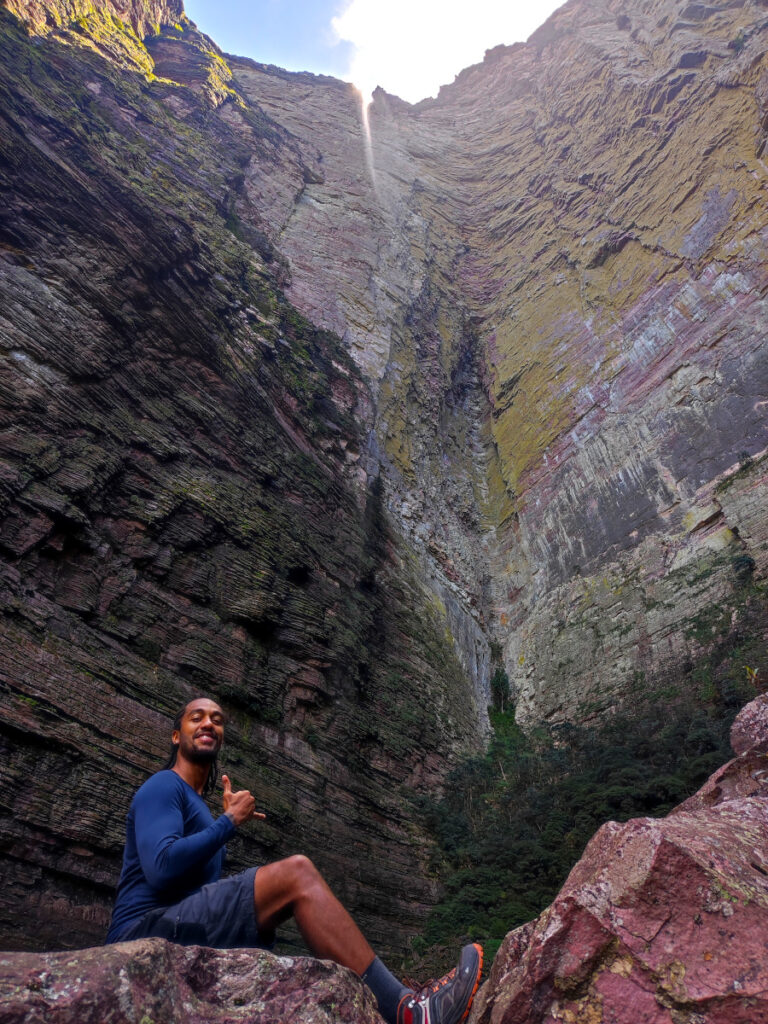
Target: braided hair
213 774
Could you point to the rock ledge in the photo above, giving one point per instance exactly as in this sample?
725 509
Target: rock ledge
154 982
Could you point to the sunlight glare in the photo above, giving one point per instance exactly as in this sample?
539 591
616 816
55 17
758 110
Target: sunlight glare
367 141
412 47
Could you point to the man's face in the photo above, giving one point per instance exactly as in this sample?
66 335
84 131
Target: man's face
201 732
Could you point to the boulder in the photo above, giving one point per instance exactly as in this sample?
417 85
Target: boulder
151 981
660 922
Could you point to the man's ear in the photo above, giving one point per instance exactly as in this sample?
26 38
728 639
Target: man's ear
175 737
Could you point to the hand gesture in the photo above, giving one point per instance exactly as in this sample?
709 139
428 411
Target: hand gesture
240 806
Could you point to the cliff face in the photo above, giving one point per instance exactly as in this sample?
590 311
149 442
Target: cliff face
326 424
63 18
625 327
189 505
554 277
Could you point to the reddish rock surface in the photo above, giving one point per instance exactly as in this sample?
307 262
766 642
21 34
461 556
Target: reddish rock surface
750 728
660 922
154 982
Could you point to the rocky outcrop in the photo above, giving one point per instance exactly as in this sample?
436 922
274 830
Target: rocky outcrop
660 921
154 982
749 732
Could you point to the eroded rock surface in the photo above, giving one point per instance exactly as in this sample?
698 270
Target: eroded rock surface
554 276
659 922
749 731
523 424
154 981
188 504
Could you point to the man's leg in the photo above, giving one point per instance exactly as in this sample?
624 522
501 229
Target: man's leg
295 887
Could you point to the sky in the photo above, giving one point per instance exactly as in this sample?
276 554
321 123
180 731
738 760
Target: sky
408 47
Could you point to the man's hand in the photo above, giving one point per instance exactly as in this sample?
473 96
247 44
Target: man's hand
239 806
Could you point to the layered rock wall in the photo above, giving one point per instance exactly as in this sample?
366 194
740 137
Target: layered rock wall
522 417
620 192
60 17
189 505
554 277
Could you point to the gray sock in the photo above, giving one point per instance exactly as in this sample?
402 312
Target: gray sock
388 989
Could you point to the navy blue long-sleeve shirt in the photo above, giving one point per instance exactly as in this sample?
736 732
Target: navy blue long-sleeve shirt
173 847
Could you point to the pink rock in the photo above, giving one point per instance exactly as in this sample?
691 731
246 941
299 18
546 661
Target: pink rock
152 980
749 731
743 776
659 922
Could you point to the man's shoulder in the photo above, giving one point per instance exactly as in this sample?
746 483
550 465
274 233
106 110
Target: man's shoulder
162 784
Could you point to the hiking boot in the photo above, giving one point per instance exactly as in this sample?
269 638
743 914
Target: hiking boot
447 1000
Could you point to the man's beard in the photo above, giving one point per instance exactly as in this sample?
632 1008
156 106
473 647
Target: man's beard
203 756
206 755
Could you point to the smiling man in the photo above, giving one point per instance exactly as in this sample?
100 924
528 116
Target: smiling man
171 884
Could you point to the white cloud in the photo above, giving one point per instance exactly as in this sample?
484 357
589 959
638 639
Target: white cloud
412 47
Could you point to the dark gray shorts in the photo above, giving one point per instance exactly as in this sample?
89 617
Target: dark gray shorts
220 915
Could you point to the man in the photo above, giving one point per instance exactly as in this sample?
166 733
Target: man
171 883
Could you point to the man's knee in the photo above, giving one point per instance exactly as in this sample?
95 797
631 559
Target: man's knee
302 870
281 883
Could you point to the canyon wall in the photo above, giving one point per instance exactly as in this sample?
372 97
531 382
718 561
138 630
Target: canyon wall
554 277
625 328
190 505
330 414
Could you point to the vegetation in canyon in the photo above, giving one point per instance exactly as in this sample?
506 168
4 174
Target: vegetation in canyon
514 820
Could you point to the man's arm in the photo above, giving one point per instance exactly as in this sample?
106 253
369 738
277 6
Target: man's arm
165 853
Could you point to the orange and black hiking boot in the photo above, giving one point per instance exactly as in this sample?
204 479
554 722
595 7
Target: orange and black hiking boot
447 1000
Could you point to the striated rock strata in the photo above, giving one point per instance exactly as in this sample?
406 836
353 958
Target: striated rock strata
331 426
188 504
554 276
